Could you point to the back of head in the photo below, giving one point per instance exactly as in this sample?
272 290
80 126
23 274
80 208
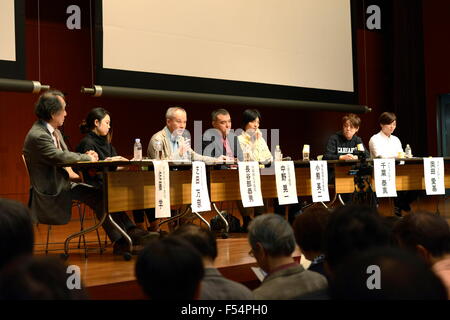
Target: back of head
386 274
88 124
387 118
169 269
309 228
426 229
200 238
37 278
274 233
48 104
216 112
350 230
16 231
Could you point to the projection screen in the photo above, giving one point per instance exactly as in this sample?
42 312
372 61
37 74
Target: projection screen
288 49
12 19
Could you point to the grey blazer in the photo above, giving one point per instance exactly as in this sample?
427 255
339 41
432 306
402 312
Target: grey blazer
51 201
290 283
215 286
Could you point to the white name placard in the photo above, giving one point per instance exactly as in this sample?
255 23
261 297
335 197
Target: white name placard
162 189
199 192
434 175
286 182
319 180
384 173
250 184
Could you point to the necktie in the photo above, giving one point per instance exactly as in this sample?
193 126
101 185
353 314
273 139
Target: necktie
58 144
227 149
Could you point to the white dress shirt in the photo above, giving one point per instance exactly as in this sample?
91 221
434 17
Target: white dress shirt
382 146
51 129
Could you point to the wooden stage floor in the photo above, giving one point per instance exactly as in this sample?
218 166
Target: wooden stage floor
110 277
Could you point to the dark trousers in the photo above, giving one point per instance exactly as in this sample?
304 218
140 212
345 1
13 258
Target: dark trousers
93 197
246 212
293 209
138 215
405 198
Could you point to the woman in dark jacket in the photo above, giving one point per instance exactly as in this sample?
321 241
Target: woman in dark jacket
96 128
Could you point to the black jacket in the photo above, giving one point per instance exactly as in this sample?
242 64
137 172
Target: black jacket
338 145
104 149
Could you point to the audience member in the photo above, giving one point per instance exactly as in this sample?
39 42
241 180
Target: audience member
309 230
39 278
214 285
272 243
350 230
385 273
170 269
428 235
16 231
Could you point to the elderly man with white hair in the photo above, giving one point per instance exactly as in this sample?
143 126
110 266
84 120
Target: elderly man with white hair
173 141
272 243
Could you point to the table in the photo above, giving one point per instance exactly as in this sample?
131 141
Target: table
135 188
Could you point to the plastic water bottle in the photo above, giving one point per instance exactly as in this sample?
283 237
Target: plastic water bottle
278 154
158 148
137 150
408 152
305 152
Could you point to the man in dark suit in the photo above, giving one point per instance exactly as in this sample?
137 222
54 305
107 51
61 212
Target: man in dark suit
221 140
52 191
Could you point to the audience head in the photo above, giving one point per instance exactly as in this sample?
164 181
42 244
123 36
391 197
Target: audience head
350 125
200 238
386 273
16 231
37 278
424 233
350 230
176 118
388 122
221 120
170 269
270 236
98 120
251 119
309 229
51 107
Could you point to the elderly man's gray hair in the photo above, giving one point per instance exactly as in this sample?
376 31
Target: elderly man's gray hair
170 112
274 233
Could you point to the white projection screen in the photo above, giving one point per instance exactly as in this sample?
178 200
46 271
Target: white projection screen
297 47
7 31
12 23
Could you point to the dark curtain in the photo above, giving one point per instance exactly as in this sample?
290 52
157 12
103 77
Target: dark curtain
408 75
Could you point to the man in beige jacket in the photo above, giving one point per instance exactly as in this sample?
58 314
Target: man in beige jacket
172 141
